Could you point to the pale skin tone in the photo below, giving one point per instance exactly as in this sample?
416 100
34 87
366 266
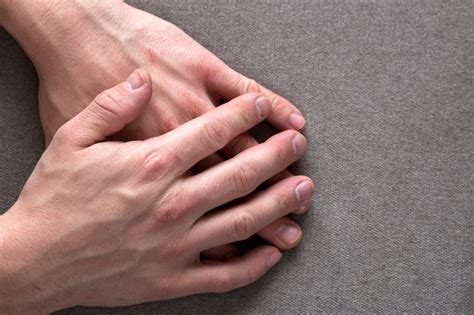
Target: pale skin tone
68 41
133 224
182 81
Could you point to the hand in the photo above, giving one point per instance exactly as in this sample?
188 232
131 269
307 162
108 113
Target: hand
108 223
83 47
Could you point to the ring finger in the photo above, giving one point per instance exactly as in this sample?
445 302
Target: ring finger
242 221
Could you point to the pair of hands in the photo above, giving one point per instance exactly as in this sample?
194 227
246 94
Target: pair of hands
151 216
112 40
116 223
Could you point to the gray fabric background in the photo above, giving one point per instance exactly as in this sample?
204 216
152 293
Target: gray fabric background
387 90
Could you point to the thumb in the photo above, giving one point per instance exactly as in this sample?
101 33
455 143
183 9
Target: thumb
110 111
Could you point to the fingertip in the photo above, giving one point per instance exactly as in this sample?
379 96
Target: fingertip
283 233
136 91
299 144
296 121
263 106
137 79
273 257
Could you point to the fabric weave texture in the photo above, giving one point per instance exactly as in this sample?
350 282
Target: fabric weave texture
387 88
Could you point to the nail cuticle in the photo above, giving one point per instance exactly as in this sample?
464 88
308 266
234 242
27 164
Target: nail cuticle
135 80
288 234
299 144
263 106
303 191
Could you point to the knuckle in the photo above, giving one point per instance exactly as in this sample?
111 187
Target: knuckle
278 103
105 104
215 134
244 178
165 215
243 226
157 163
281 154
250 86
170 122
282 201
62 136
195 104
172 208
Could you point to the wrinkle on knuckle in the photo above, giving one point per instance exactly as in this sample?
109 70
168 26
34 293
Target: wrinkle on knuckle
243 225
105 105
244 178
281 201
281 154
214 134
277 102
250 86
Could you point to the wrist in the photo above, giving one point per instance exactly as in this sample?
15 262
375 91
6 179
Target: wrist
8 262
18 266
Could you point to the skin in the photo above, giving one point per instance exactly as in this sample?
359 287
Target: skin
68 41
132 228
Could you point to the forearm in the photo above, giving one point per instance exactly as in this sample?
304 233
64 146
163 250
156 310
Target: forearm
46 28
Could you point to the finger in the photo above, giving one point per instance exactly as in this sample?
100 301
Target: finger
244 142
237 272
244 220
110 111
220 253
228 84
283 233
239 144
242 174
210 132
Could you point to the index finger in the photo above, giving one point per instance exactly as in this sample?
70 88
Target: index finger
228 83
206 134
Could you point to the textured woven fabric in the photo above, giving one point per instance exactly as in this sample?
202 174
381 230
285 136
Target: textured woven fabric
387 90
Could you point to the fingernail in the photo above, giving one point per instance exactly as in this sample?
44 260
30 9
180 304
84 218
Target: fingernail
288 234
135 80
296 121
299 144
263 105
273 259
304 191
